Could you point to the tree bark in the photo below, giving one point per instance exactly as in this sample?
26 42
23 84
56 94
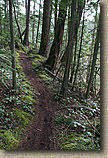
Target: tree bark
57 42
12 45
26 37
0 21
69 47
25 7
19 31
38 24
33 23
45 28
55 15
80 8
96 47
77 67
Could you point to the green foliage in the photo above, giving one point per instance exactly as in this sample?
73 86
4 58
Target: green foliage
16 110
8 140
28 99
75 142
38 61
22 117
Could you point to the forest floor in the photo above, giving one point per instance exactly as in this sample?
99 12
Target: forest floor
37 117
41 132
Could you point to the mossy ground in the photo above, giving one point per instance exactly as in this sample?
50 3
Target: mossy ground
9 141
37 61
22 112
75 142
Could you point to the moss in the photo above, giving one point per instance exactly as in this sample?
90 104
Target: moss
8 141
23 117
19 68
74 142
51 87
28 99
38 61
29 92
40 57
44 77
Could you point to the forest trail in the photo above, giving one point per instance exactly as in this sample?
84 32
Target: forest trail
41 132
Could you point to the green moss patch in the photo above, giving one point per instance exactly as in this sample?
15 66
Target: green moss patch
17 111
45 77
22 117
75 142
29 99
8 141
38 61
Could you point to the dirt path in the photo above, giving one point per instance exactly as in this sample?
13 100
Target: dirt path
41 132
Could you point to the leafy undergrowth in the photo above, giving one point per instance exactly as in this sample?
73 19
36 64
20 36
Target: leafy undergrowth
16 106
78 120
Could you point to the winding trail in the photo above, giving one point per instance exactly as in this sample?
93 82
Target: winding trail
41 132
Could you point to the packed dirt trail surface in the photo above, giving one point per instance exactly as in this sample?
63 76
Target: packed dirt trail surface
41 132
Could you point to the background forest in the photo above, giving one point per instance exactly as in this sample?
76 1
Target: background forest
61 39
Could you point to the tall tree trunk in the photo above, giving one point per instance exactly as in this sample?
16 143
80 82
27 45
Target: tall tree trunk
79 53
33 23
38 24
25 7
26 37
19 31
5 16
0 20
74 61
45 28
96 47
92 45
12 45
80 8
57 42
69 47
55 16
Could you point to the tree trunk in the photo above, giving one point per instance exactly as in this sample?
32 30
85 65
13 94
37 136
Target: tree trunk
45 28
69 47
78 19
79 53
33 23
57 42
12 45
19 31
92 45
38 25
0 21
26 37
55 15
96 47
25 7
